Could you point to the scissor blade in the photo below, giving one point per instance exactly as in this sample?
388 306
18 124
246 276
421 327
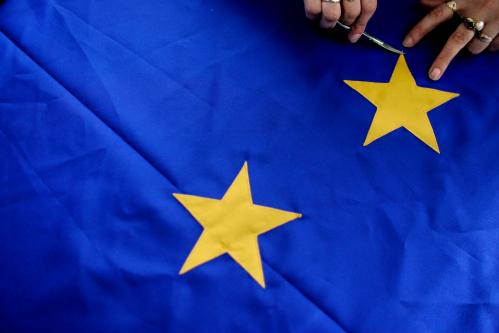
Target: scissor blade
384 45
373 39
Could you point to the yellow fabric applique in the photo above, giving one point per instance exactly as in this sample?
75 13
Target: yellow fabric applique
401 103
232 225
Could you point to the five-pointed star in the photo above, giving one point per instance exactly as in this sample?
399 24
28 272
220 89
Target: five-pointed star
401 103
232 225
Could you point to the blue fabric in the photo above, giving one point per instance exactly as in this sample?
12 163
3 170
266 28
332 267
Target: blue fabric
108 107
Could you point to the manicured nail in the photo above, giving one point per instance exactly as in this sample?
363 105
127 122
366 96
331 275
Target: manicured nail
408 42
435 74
354 38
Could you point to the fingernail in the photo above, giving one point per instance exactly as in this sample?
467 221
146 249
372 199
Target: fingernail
435 74
354 38
408 42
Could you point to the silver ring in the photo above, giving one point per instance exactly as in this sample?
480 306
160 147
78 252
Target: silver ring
484 38
331 1
473 24
452 5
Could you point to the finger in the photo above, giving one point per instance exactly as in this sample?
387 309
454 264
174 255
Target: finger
438 15
367 9
482 40
312 8
456 42
431 3
331 12
494 46
350 10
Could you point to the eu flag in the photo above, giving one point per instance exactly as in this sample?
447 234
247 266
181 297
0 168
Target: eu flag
223 166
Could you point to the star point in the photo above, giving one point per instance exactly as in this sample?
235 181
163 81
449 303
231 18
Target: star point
232 225
401 103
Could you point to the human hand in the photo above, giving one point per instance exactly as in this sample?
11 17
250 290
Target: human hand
466 35
355 13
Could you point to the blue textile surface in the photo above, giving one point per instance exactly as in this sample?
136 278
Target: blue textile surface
108 107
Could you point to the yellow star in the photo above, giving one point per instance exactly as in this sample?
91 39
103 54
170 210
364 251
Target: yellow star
401 103
232 225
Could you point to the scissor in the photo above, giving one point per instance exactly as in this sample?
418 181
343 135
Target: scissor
373 39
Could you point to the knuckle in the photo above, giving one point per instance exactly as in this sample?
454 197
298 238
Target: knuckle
430 3
438 13
350 17
331 16
441 61
347 20
369 7
312 10
490 5
459 37
359 26
416 31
